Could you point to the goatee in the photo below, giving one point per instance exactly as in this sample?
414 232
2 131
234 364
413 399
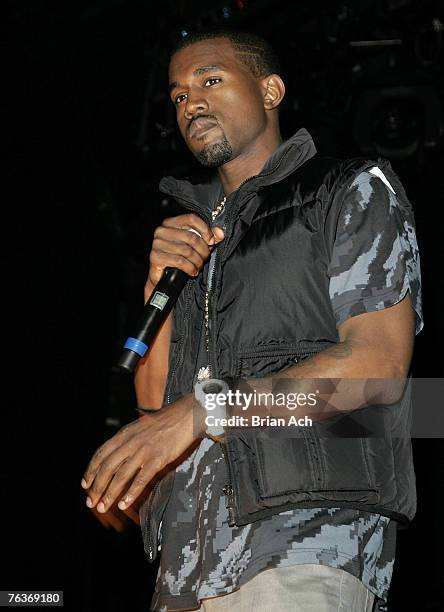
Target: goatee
214 155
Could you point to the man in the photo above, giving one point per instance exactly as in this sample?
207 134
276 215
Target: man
298 265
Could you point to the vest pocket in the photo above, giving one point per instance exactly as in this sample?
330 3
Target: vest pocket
269 472
309 464
312 469
257 362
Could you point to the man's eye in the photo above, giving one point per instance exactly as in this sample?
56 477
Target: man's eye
180 98
212 81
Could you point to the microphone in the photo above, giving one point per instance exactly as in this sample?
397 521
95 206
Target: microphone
155 312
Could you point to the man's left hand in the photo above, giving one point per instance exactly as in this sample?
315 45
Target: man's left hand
137 453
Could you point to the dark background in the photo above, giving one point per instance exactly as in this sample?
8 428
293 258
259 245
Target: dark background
89 133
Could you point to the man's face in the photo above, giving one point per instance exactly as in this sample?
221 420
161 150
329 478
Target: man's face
219 103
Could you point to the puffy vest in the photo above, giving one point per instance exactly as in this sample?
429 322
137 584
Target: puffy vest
270 308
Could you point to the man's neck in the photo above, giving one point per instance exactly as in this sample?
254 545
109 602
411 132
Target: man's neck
250 163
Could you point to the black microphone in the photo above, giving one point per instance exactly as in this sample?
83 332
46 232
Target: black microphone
155 312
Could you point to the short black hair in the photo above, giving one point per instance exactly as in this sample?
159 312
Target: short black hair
252 50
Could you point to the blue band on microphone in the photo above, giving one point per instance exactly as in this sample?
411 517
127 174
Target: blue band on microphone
136 345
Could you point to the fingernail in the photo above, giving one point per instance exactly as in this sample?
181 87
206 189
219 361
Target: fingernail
83 483
101 507
122 505
89 502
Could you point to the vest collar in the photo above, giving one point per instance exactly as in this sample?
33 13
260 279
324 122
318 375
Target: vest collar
201 196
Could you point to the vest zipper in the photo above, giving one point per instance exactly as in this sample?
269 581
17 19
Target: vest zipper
213 371
148 531
282 352
211 306
211 343
208 326
228 489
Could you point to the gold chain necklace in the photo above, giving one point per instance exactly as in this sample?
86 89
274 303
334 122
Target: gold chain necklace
219 209
204 372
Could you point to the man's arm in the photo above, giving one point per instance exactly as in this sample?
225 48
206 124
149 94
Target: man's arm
373 259
375 345
143 448
152 370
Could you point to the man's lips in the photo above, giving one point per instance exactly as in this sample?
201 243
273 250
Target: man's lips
199 126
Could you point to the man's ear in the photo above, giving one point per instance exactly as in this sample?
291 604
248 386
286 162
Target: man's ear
274 91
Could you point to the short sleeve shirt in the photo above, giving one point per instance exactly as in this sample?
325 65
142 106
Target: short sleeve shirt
375 258
374 263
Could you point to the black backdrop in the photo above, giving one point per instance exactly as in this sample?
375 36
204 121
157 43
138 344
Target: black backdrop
89 132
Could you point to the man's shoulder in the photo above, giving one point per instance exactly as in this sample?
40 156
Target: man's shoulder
320 177
336 171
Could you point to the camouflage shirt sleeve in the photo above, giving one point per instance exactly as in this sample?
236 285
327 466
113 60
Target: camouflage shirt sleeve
375 259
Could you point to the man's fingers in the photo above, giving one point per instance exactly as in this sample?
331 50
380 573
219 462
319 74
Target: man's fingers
218 234
93 466
98 477
174 248
98 487
166 251
182 242
124 474
142 479
103 453
190 221
183 238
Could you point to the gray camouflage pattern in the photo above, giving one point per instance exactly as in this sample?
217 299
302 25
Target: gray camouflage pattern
375 259
203 557
374 263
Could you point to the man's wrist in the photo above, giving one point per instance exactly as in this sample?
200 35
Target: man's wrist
213 412
190 413
146 410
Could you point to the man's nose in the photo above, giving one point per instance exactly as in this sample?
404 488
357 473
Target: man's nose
195 104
